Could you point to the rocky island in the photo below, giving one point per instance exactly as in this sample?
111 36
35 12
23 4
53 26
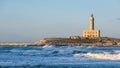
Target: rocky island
71 41
103 41
90 37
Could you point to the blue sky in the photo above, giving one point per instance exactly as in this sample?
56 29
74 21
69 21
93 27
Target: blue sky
32 20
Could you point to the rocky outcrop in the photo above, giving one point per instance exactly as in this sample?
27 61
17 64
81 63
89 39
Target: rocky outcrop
104 41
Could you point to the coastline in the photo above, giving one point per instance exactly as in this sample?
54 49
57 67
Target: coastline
103 41
16 44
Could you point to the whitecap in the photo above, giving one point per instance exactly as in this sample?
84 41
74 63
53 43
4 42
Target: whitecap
47 46
117 51
79 55
105 56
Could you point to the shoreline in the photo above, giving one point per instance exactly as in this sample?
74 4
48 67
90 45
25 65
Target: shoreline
65 45
103 41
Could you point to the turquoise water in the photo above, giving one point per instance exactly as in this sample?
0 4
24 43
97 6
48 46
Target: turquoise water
50 56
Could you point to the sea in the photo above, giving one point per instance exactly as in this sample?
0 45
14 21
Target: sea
52 56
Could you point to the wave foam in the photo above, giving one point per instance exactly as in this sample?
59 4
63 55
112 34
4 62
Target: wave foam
117 51
105 56
47 46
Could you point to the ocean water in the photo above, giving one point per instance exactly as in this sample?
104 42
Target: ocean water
51 56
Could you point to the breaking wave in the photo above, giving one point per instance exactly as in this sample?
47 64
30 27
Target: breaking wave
105 56
47 46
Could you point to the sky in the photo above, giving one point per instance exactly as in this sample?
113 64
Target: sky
32 20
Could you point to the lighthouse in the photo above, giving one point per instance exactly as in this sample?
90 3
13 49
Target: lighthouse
91 32
91 22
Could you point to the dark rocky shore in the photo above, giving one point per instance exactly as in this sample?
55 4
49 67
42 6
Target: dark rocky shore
103 41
